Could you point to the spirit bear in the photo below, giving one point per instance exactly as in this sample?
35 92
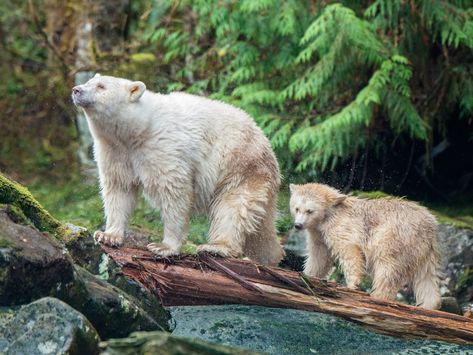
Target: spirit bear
188 154
393 240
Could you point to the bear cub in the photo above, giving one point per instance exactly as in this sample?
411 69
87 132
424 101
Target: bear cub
393 240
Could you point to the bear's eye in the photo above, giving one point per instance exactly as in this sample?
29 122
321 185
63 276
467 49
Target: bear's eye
100 86
297 210
309 211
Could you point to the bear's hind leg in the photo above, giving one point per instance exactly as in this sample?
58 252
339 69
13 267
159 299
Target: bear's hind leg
387 279
263 246
235 213
426 283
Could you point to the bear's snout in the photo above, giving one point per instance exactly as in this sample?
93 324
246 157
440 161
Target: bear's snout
76 91
80 97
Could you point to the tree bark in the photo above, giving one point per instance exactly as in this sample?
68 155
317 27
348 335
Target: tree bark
206 280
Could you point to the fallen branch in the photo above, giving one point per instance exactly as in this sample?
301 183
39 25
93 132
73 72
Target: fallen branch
205 280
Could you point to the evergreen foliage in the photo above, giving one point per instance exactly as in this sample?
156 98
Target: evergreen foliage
325 81
329 82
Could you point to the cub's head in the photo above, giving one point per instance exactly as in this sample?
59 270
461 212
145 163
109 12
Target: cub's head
311 203
107 94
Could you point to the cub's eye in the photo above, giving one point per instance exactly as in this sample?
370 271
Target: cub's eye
297 210
309 211
100 86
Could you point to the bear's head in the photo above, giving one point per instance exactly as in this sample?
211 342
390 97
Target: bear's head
310 204
107 95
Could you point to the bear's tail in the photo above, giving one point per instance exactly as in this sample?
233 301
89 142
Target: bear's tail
426 283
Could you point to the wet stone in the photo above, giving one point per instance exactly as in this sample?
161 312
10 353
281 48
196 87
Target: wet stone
47 326
286 331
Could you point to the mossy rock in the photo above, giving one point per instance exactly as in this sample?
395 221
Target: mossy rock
14 194
35 265
32 264
113 312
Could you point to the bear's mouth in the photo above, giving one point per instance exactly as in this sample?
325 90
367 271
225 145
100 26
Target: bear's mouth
79 100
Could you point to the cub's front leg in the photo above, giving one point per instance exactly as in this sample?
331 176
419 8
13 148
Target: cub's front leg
319 259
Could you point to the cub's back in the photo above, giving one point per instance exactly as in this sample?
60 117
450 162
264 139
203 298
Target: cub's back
407 217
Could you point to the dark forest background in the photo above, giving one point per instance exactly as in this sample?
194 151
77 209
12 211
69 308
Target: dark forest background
365 95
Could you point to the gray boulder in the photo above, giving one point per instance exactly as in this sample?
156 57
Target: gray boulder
47 326
166 344
35 265
32 264
457 264
289 331
114 313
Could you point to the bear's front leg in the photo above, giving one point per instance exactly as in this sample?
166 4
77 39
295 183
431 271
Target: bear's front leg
319 259
352 261
175 207
119 203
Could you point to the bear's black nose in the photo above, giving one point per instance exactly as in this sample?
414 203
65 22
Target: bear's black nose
76 90
298 226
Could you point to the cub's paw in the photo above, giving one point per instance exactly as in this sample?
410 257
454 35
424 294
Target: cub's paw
111 239
219 249
162 249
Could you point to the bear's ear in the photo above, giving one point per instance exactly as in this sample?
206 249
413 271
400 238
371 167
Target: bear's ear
136 89
96 75
338 200
291 188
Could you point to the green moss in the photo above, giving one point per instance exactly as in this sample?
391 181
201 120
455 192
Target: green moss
19 196
456 222
5 243
464 280
15 214
189 248
370 194
103 267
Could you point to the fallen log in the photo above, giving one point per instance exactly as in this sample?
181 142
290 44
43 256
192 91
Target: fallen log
206 280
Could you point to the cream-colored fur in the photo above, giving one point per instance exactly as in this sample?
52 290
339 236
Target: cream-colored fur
188 154
393 240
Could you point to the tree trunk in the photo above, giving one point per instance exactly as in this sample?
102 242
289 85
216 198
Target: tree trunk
205 280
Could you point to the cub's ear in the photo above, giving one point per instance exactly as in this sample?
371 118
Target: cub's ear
136 89
338 200
292 188
96 75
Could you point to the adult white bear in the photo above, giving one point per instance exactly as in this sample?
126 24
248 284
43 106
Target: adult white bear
188 154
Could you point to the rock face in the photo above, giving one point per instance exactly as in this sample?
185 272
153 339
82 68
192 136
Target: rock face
113 312
287 331
35 265
48 326
132 304
457 264
164 343
32 264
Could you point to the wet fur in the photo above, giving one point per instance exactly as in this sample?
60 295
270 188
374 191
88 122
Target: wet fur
393 240
188 154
